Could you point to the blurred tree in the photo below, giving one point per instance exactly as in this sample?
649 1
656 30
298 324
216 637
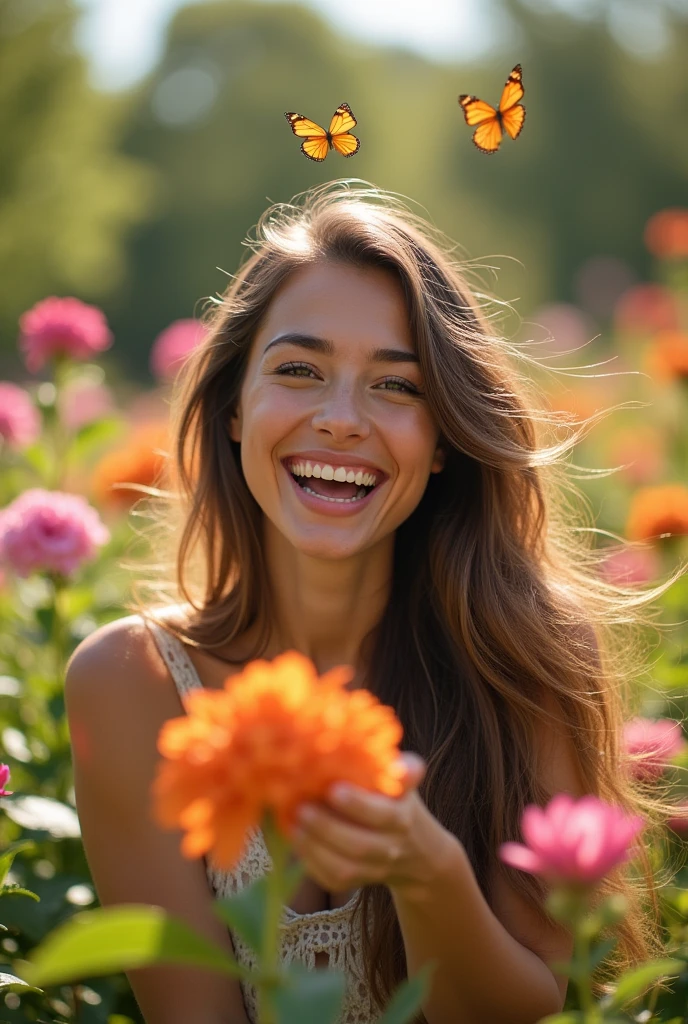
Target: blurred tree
598 154
66 194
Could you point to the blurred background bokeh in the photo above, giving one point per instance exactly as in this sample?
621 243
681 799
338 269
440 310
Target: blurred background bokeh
140 140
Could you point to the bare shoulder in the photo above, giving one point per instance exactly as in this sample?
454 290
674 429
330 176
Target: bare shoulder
118 694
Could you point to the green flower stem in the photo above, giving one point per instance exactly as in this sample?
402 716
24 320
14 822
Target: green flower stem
278 848
60 438
582 961
58 639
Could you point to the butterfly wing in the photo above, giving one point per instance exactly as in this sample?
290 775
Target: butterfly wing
341 124
488 135
513 114
476 111
315 146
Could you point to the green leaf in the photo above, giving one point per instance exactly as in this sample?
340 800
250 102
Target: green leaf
633 983
570 1017
245 911
408 998
113 939
7 858
18 890
599 952
309 997
93 436
10 983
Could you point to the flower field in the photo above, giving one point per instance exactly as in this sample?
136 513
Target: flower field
79 456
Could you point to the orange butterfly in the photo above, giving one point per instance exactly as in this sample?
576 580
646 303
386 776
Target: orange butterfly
510 115
318 141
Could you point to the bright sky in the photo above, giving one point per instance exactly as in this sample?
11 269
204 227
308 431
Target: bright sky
123 38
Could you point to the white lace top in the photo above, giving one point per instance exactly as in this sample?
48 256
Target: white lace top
303 935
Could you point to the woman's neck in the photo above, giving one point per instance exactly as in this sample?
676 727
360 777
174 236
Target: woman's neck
325 608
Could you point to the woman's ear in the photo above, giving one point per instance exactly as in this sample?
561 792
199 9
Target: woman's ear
235 425
439 460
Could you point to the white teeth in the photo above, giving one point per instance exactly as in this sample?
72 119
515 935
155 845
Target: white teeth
341 474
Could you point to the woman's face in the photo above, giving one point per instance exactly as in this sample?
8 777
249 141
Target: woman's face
337 441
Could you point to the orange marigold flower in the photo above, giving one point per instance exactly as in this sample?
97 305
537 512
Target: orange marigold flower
667 356
658 510
275 736
666 233
140 461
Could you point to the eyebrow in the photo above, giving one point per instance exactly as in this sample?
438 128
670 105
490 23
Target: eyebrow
326 347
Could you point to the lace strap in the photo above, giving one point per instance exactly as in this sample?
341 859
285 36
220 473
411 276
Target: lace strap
176 657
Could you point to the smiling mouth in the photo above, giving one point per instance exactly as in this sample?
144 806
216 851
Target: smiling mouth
339 484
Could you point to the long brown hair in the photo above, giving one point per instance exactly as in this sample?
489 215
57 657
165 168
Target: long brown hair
498 611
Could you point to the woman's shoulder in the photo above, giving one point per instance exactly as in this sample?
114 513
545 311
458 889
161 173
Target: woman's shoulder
120 656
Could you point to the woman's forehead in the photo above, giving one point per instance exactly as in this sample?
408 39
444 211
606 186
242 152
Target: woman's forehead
339 301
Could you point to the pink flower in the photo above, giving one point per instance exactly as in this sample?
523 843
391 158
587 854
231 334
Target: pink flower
67 327
572 841
651 743
20 423
631 565
173 345
81 403
646 309
49 531
679 821
4 779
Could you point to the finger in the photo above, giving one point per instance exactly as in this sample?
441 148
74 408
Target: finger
342 836
414 770
374 810
325 866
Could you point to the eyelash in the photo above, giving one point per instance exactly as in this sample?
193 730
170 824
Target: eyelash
286 370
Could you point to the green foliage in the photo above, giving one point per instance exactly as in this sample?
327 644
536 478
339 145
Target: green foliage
120 938
67 195
309 997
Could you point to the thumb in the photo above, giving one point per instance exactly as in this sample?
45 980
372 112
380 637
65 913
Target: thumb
414 770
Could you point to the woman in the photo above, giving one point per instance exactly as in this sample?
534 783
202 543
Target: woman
361 479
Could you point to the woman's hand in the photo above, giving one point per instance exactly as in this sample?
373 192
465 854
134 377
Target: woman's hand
358 838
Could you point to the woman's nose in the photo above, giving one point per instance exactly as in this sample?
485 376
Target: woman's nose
341 415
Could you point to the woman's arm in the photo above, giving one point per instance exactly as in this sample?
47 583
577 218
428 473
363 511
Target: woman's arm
492 960
118 694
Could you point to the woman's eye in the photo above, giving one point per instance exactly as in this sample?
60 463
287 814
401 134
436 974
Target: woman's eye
295 370
399 385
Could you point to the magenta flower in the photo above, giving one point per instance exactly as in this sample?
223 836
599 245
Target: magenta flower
82 403
651 743
679 821
173 345
4 779
20 422
49 531
628 566
66 327
572 841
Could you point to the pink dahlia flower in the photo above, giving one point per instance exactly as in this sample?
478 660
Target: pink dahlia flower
627 566
4 779
572 841
82 403
66 327
651 743
173 345
49 531
20 422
